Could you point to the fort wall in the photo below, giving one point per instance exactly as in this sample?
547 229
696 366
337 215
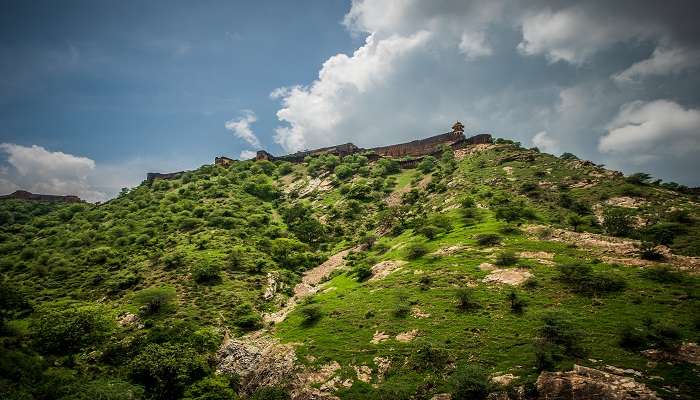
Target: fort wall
24 195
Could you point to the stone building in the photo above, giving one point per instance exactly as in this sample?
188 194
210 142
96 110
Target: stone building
223 161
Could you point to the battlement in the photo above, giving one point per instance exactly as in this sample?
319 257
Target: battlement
24 195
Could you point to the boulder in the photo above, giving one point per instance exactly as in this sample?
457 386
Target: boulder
584 383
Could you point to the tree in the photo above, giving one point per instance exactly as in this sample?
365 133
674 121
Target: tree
575 221
211 388
427 165
155 300
639 178
470 383
343 171
617 222
165 370
65 329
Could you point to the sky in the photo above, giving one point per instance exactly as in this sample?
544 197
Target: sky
95 94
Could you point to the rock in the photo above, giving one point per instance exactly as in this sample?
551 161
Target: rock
130 320
383 365
625 201
588 383
383 269
687 352
379 337
442 396
508 276
541 256
406 337
271 288
259 361
487 267
449 250
503 380
364 373
417 313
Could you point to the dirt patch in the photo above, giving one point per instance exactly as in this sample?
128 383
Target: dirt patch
406 337
449 250
379 337
509 170
418 313
487 267
514 276
503 380
626 202
541 256
310 284
477 148
364 373
383 269
687 352
583 184
619 250
315 184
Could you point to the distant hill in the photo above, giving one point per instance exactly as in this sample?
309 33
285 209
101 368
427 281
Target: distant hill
482 268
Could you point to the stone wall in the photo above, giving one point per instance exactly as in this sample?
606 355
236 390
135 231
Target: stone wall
419 147
223 161
151 176
24 195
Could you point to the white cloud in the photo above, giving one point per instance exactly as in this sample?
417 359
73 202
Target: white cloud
647 129
247 155
42 171
664 61
474 45
241 127
545 142
573 35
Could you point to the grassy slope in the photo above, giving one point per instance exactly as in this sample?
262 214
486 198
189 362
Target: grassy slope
204 216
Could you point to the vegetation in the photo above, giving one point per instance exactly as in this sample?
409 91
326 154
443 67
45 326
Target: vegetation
132 298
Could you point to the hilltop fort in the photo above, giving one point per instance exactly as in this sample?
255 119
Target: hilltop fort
24 195
408 154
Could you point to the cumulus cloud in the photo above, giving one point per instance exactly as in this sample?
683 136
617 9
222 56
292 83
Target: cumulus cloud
660 127
39 170
664 61
545 142
241 127
247 155
573 35
473 45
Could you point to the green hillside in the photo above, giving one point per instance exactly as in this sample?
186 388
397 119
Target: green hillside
490 260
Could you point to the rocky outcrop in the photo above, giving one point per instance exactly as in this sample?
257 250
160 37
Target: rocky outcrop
584 383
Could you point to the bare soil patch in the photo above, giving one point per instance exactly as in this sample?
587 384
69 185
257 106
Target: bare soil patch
513 277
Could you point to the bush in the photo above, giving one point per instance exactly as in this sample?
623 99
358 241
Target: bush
429 231
246 318
617 222
65 329
632 338
648 251
470 383
516 303
155 300
465 299
311 314
416 250
362 272
270 393
211 388
427 165
662 274
488 239
206 272
425 357
663 233
581 279
166 369
558 331
515 212
343 171
506 258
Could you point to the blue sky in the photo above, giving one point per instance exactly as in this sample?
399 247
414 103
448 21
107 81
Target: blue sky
94 94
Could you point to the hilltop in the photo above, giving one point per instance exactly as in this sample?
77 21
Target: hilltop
462 269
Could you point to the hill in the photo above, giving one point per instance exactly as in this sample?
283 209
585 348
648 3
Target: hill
486 268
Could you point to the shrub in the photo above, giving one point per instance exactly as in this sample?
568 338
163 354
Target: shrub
416 250
166 369
558 331
470 383
662 274
155 300
343 171
429 231
506 258
401 308
427 165
211 388
68 329
270 393
465 299
515 212
617 222
246 318
575 221
648 251
581 279
362 272
509 230
206 272
632 338
425 357
311 314
488 239
516 303
663 233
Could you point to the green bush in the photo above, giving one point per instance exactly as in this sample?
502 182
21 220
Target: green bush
662 274
426 357
465 299
311 314
416 250
429 231
581 279
206 272
361 272
155 300
617 222
270 393
558 331
166 370
470 383
516 303
211 388
65 329
506 258
488 239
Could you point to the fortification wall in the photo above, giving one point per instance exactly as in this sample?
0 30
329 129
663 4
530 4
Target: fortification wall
151 176
24 195
419 147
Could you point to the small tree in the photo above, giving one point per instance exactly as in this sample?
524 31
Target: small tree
575 221
416 250
465 299
617 222
470 383
155 300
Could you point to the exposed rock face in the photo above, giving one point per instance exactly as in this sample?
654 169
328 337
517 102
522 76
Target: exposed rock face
384 268
514 276
259 361
687 352
584 383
